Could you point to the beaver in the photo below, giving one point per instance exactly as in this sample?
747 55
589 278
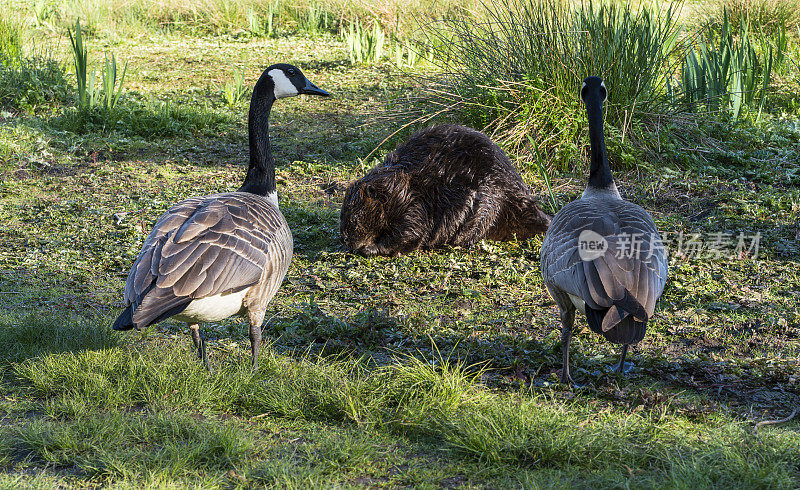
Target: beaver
448 185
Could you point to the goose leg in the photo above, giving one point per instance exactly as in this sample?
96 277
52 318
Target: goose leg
199 340
255 343
567 321
195 331
621 365
256 319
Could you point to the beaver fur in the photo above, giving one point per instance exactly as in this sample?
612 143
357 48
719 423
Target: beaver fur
446 185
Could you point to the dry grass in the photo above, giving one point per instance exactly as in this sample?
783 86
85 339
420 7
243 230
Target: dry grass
398 17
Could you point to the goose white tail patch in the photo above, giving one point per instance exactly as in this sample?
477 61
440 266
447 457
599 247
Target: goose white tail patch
283 86
213 308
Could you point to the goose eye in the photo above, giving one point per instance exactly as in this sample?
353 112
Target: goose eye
290 71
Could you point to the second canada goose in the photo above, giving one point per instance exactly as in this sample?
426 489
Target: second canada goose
211 257
602 254
446 185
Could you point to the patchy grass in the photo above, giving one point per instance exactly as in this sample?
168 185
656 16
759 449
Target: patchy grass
433 369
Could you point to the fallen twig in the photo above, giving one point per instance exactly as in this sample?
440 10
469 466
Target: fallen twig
774 422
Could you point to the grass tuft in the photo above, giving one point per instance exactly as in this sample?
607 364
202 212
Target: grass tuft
148 117
365 45
35 82
233 90
516 68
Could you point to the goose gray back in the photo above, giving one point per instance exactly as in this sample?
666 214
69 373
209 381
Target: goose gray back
602 254
211 257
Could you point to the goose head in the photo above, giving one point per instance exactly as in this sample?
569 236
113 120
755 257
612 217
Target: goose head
288 81
276 82
593 89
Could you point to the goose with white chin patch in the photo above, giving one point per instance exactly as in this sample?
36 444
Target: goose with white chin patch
211 257
602 254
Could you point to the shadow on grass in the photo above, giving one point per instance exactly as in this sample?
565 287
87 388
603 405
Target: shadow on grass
24 335
695 383
431 398
41 314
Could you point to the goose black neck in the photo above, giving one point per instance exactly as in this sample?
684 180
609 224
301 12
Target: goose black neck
599 171
261 171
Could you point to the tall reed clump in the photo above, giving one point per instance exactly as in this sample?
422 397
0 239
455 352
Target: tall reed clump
371 45
263 24
729 68
364 45
90 96
516 67
315 19
233 90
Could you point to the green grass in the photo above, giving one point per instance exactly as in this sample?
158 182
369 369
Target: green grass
36 82
120 19
10 42
87 398
437 369
768 15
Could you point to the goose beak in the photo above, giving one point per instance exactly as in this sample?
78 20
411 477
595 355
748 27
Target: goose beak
311 89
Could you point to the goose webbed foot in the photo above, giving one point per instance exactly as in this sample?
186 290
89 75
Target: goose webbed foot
566 379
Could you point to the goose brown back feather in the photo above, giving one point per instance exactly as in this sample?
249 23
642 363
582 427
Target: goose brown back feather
204 246
626 269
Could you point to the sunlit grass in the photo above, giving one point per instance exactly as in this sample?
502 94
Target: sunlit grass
425 399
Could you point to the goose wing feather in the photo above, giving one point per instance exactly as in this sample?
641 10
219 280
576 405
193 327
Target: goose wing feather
625 269
204 246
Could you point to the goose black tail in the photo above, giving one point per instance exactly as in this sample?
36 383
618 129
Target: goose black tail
627 319
627 331
124 320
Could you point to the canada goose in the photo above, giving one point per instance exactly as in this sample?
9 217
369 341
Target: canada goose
603 254
211 257
446 185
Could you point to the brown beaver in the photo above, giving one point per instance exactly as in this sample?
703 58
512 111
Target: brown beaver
446 185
